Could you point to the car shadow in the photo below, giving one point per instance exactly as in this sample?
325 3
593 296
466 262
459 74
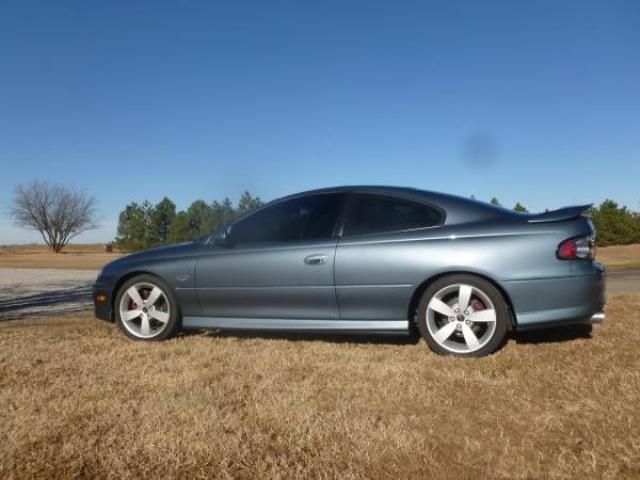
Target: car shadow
547 335
362 339
55 302
565 333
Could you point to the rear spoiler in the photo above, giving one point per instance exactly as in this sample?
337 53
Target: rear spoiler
566 213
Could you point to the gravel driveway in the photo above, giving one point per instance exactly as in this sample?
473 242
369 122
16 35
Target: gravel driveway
32 292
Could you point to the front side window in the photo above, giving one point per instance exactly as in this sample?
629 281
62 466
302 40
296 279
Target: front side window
297 220
379 214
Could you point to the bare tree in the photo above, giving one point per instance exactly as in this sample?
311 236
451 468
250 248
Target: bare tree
57 212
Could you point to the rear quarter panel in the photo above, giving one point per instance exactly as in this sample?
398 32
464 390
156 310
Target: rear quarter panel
376 276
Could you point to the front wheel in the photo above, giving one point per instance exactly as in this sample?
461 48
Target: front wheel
463 315
146 309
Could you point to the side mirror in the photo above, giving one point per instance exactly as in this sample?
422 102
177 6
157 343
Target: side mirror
221 238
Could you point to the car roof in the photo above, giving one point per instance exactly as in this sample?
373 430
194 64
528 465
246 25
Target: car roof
383 189
458 209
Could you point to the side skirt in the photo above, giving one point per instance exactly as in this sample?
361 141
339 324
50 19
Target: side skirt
297 325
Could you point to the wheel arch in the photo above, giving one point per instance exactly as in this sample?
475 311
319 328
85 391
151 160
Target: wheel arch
420 289
121 281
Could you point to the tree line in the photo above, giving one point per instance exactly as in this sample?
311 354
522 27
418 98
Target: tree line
615 224
144 225
60 213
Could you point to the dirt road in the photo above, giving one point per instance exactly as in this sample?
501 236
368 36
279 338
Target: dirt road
623 281
30 292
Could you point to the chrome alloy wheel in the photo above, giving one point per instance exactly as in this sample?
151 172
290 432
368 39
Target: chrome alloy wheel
144 310
461 318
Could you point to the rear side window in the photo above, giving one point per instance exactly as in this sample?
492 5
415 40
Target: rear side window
378 214
297 220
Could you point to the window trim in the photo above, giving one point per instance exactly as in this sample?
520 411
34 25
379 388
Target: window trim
353 197
342 202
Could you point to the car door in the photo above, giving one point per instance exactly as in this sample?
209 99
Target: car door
277 264
381 255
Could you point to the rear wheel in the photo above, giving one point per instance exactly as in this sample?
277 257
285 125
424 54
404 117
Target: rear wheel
463 315
146 309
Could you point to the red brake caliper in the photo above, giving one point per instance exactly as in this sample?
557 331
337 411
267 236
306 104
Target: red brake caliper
477 305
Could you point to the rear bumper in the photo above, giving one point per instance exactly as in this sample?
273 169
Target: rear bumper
546 302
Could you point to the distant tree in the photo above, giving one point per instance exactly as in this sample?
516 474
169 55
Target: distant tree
179 230
164 214
56 212
615 225
128 222
496 202
248 203
199 219
135 226
520 208
223 213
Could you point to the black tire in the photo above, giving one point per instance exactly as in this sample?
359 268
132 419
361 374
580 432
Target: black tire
171 327
493 341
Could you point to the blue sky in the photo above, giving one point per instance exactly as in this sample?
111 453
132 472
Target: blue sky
537 102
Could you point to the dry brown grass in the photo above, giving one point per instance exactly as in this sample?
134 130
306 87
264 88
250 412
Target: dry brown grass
82 257
620 256
80 400
33 248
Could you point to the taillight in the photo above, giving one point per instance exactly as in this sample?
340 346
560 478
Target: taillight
577 248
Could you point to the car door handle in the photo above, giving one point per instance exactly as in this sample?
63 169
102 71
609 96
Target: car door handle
316 259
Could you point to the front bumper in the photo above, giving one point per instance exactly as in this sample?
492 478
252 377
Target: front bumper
102 300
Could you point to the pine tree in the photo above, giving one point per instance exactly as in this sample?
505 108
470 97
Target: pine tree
520 208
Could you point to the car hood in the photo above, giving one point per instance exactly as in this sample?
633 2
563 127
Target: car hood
162 251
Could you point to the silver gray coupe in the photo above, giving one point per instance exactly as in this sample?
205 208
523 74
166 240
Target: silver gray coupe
368 260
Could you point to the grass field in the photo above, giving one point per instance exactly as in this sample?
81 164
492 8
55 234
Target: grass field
82 257
619 257
92 257
79 400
